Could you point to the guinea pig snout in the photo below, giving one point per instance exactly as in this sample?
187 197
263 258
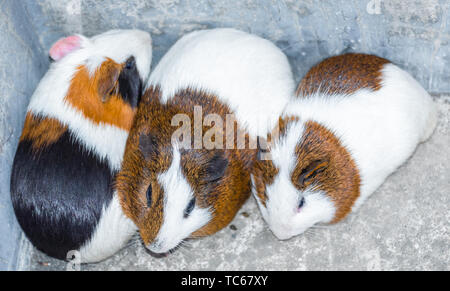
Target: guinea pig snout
155 246
154 250
282 235
282 231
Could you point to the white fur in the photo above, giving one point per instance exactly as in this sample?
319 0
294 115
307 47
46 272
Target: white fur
113 231
380 130
119 45
105 140
249 74
175 228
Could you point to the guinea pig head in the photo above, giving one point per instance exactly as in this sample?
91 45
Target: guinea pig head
108 81
309 177
109 95
92 89
173 192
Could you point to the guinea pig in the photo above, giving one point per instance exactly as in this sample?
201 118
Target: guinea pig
357 118
217 82
72 145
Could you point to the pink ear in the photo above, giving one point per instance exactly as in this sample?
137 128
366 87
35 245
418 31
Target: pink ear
64 46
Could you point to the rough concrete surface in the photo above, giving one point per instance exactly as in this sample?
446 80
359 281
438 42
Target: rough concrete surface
404 225
22 64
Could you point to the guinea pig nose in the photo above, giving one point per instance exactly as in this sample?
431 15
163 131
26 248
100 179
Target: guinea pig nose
154 251
155 247
281 234
130 63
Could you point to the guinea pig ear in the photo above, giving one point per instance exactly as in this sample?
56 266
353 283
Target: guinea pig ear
148 145
216 167
313 169
108 75
65 46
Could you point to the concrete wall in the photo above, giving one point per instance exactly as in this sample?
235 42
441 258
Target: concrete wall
414 34
22 64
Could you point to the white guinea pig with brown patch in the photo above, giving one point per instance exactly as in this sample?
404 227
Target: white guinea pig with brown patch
177 189
357 118
72 145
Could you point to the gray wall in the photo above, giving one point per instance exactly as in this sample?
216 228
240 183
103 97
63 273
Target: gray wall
22 64
414 34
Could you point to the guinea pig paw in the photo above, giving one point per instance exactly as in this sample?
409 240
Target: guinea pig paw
64 46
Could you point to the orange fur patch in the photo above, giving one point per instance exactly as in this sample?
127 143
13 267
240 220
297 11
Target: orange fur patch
97 97
41 132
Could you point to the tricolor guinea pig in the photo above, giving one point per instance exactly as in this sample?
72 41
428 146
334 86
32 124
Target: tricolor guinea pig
72 145
224 87
356 119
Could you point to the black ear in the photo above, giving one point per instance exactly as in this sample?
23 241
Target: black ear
216 167
312 170
148 145
130 83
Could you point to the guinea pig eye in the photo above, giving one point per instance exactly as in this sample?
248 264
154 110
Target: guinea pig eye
130 64
301 203
189 208
149 196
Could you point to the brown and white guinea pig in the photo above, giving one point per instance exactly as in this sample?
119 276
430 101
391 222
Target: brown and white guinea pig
176 187
356 119
72 145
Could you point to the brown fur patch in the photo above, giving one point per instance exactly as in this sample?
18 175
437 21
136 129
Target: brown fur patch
336 172
41 132
343 74
149 153
97 97
264 174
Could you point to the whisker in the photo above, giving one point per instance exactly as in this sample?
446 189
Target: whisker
176 248
186 245
135 239
321 226
312 232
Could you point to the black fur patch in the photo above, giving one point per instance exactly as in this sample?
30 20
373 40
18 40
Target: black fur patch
148 145
216 167
130 84
58 194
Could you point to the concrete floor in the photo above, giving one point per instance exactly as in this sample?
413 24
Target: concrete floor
403 226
